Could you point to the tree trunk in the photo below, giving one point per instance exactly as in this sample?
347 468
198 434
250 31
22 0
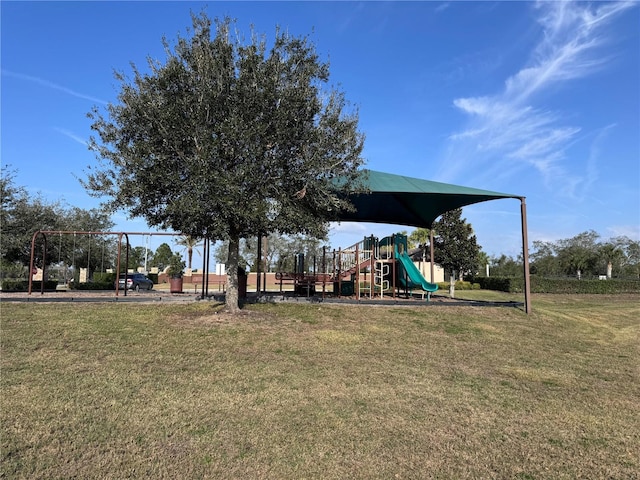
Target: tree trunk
232 274
609 269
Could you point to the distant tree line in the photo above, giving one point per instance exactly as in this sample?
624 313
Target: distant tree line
455 245
585 255
582 256
22 214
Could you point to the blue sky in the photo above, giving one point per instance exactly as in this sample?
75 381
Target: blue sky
536 99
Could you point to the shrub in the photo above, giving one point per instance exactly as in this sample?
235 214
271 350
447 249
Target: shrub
553 285
559 285
93 286
104 277
460 285
176 266
13 270
500 284
23 285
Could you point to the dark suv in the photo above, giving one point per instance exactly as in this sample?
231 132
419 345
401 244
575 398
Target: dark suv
136 281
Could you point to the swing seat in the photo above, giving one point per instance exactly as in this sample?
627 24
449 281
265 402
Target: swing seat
62 287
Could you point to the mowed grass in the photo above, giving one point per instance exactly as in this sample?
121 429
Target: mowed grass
322 391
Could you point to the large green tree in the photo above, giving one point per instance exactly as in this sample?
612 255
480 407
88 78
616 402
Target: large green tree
579 254
611 254
228 139
543 259
162 256
455 245
505 266
631 261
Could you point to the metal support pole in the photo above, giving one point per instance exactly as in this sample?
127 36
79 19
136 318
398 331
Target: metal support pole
339 270
431 254
258 269
32 261
324 270
372 268
393 264
357 262
525 256
205 274
118 266
208 269
126 264
265 249
44 263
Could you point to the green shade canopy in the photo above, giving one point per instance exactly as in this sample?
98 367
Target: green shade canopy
399 200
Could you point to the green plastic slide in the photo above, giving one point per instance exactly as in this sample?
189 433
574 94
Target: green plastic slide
414 278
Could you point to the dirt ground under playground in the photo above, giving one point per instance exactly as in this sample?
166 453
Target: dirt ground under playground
191 293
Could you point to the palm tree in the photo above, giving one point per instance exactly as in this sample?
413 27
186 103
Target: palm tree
189 243
611 254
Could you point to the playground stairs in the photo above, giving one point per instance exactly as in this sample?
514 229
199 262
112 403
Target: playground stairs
359 271
359 257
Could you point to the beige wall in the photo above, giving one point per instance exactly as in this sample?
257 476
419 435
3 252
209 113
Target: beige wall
425 269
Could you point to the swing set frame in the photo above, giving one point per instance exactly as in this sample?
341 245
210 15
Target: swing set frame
44 233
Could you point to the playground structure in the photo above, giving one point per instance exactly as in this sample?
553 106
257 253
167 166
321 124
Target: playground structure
371 268
387 199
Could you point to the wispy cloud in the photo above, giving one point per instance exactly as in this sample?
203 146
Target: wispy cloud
442 7
48 84
508 131
595 158
347 227
71 135
629 231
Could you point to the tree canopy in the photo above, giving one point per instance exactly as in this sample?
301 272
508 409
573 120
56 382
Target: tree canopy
418 238
162 256
228 139
455 245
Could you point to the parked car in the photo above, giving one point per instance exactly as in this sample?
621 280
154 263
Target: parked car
136 281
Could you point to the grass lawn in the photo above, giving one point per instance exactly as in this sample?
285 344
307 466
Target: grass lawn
323 391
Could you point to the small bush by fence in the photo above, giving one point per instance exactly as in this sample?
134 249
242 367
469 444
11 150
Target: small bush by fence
559 285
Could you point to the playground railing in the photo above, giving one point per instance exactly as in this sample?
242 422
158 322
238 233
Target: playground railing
302 279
